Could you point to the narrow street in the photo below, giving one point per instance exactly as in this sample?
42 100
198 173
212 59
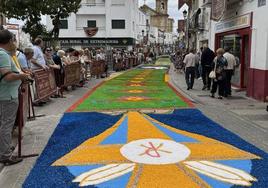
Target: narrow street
126 125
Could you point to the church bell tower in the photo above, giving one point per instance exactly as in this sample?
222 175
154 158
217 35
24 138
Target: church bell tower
162 6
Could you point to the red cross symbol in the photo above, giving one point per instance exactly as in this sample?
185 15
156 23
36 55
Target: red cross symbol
153 151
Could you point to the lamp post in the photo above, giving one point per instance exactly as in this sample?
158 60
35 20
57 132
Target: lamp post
142 37
147 31
185 16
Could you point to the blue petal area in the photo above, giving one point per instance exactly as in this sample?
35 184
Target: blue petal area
213 182
78 170
121 181
175 136
119 136
244 165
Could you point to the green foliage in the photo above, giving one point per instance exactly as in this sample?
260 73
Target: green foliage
31 11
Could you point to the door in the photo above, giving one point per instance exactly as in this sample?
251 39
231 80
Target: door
234 42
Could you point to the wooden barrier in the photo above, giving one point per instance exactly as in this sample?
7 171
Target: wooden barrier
25 104
98 68
72 74
45 84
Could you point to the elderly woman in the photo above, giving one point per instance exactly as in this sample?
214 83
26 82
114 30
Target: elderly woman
59 73
219 64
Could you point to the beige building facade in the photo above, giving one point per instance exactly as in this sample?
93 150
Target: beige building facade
159 17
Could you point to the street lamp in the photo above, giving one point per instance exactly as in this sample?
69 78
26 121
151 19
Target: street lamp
185 16
147 31
142 37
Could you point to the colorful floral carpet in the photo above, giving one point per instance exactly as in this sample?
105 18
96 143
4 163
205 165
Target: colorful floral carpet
184 149
136 89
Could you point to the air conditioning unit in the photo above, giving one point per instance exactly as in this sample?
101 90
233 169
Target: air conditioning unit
207 3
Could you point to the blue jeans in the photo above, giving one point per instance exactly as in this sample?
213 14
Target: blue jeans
189 77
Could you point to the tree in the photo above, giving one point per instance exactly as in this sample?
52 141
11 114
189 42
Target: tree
60 10
31 12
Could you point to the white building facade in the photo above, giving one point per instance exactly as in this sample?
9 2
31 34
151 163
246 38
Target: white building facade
244 28
101 23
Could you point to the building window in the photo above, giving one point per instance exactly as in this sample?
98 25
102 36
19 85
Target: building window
118 24
63 24
91 23
261 3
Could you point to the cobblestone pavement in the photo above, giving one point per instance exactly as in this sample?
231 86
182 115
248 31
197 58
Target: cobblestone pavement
239 114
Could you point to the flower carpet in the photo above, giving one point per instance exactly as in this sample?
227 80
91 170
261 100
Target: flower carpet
136 89
180 149
184 149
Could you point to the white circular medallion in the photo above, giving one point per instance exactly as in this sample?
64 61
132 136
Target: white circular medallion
155 151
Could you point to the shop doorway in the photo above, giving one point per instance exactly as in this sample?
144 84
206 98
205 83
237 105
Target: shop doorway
239 43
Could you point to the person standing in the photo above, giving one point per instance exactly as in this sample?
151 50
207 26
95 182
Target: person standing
190 62
10 79
207 58
220 64
229 71
38 61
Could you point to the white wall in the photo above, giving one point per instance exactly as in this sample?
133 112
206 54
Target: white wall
259 42
103 11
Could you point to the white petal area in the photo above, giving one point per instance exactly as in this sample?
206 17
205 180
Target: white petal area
221 172
103 174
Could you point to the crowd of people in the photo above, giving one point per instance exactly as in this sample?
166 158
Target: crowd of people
214 69
21 66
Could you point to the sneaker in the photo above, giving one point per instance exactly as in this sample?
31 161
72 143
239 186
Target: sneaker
219 97
11 160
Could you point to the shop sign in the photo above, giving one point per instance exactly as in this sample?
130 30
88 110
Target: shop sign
97 41
235 23
218 9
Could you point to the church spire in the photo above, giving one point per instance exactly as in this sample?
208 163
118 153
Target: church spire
162 6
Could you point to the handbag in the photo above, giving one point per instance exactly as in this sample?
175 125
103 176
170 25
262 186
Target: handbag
212 74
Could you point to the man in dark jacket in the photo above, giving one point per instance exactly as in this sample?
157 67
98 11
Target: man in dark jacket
206 62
